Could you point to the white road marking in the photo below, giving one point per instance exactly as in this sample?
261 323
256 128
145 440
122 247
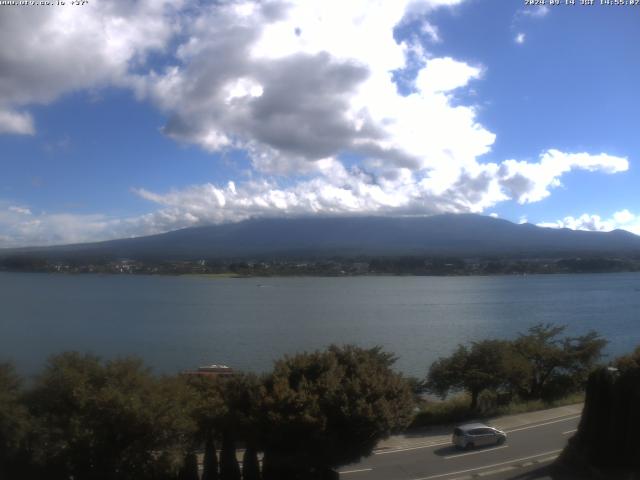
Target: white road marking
543 424
547 459
515 460
356 471
429 445
570 431
475 453
495 472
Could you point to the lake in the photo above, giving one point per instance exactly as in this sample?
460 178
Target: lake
175 323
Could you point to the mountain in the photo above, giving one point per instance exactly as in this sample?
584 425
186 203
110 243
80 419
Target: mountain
314 237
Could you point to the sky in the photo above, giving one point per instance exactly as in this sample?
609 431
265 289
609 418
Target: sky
128 118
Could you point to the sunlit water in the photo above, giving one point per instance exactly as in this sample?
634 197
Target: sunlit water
175 323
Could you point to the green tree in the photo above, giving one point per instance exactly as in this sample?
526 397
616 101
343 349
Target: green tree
229 468
329 408
210 461
229 409
208 410
14 423
553 365
243 397
538 364
189 470
250 465
485 365
607 437
629 362
109 420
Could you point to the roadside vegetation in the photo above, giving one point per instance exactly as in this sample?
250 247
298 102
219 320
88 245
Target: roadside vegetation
606 444
457 408
539 369
85 418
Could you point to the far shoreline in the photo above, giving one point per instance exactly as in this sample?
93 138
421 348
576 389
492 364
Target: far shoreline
232 275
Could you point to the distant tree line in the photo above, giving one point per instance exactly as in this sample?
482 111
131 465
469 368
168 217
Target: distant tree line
362 265
420 265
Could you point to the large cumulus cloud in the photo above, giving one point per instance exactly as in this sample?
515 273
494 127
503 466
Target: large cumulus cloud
47 52
299 86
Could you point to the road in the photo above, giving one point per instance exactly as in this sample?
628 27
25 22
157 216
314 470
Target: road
526 447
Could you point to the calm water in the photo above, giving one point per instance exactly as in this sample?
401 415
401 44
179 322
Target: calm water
181 322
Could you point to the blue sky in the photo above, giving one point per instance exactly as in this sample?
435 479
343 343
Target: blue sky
121 119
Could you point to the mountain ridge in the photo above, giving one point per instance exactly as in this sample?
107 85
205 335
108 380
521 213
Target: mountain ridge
317 237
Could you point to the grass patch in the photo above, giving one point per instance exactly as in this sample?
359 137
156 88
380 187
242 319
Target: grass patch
452 410
533 405
457 409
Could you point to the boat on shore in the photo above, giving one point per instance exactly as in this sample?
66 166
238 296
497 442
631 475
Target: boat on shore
213 370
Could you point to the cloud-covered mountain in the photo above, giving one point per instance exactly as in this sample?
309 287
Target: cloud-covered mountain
463 235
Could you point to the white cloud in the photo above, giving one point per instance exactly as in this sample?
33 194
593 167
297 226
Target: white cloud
523 15
623 219
339 190
537 11
20 226
19 210
47 52
431 31
532 182
296 85
16 122
583 222
332 189
444 75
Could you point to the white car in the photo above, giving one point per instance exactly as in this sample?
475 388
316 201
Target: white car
477 435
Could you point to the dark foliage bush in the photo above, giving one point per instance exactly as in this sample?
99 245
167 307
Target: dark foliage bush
607 437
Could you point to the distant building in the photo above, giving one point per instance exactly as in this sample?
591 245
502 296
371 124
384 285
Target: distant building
360 267
211 371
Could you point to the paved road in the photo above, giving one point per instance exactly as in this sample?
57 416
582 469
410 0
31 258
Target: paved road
527 447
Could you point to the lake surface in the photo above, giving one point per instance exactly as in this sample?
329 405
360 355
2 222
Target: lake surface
175 323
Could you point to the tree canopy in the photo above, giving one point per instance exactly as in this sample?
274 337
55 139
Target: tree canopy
14 419
85 418
108 420
537 364
629 362
330 408
607 438
553 365
483 365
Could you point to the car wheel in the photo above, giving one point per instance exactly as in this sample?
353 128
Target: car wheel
469 446
501 440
